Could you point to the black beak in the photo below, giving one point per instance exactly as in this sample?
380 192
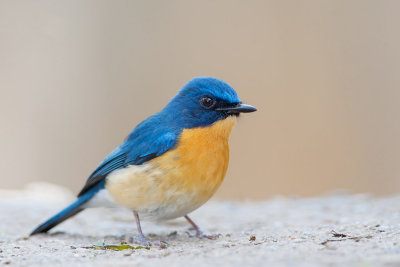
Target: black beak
239 108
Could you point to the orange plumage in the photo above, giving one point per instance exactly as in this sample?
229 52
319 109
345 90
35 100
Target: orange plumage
180 180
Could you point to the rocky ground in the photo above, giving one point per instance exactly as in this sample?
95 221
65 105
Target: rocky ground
336 229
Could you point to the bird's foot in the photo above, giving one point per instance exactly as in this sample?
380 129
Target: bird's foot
142 240
200 234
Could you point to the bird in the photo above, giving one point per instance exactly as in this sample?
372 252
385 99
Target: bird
170 164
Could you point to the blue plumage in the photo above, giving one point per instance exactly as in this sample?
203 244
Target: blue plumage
200 103
69 211
160 132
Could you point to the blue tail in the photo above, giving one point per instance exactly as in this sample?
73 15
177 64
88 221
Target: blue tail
68 212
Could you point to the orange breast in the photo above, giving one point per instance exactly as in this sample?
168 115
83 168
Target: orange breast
200 160
180 180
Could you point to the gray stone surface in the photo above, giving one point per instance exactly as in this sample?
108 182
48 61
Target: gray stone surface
336 229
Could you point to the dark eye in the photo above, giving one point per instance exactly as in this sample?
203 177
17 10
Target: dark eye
207 101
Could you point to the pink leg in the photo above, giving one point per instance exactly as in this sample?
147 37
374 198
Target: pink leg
142 239
200 233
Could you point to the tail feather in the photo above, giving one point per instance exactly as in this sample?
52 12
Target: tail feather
66 213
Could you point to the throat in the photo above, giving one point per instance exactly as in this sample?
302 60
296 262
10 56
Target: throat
219 129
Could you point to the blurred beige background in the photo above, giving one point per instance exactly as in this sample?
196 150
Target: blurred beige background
77 76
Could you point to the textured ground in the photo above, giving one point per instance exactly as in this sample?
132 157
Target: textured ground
336 229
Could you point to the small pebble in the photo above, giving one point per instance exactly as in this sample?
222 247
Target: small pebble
163 245
174 233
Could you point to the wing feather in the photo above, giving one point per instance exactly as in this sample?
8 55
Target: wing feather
137 149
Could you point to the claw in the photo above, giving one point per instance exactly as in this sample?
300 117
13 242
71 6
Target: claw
200 234
209 236
141 240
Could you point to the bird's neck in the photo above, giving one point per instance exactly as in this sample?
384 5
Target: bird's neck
220 129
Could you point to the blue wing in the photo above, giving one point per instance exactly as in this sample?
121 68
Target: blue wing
150 139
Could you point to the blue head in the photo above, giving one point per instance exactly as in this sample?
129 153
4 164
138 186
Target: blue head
203 101
200 103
